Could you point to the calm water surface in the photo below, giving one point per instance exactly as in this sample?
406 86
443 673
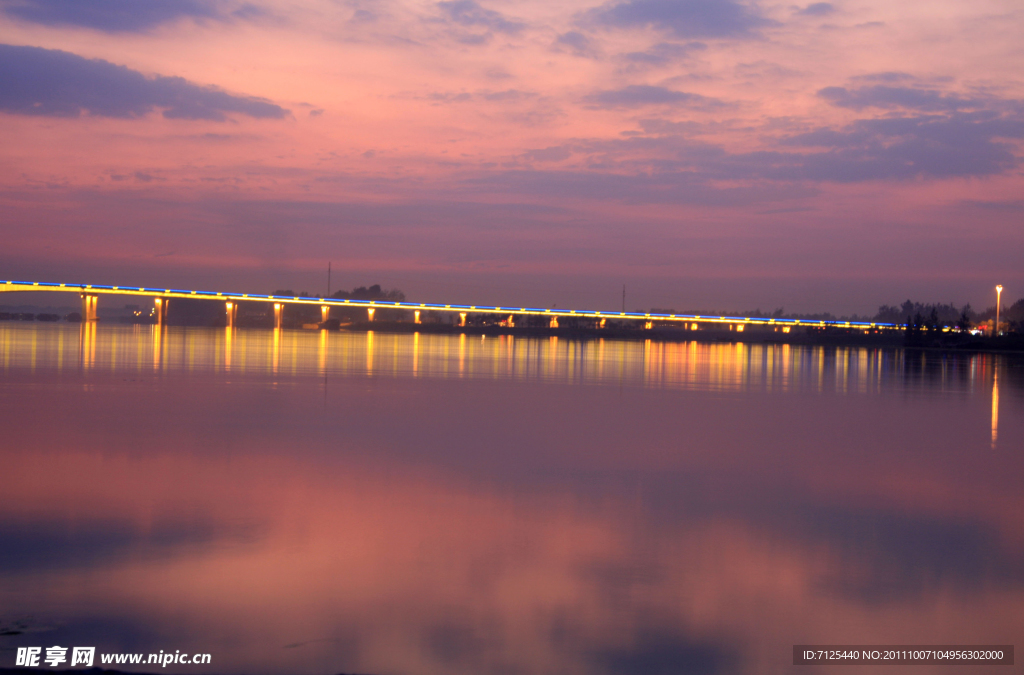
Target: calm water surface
315 503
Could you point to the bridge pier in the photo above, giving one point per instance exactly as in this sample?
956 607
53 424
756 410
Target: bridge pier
553 323
462 318
232 313
416 316
161 305
278 315
325 313
89 303
369 313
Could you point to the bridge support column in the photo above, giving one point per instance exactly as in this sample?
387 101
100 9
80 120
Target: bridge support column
278 315
462 318
89 303
416 316
601 325
511 323
161 305
553 323
232 313
648 325
369 313
325 313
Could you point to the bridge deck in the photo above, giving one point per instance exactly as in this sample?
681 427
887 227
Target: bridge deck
93 289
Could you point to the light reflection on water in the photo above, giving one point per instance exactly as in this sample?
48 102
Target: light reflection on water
684 365
313 502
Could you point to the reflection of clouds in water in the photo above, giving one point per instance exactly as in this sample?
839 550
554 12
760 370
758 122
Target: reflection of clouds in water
397 569
67 545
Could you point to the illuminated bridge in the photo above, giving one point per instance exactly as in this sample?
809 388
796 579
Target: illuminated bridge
162 296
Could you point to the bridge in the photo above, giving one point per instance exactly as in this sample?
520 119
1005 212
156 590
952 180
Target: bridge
90 293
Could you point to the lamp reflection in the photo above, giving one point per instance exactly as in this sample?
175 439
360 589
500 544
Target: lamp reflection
87 344
228 346
415 353
647 363
322 353
369 352
275 350
995 407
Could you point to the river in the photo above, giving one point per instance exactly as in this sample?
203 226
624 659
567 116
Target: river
319 502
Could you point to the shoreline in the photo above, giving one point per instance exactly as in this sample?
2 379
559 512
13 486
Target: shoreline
810 336
807 337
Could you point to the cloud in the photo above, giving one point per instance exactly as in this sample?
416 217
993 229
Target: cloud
682 18
116 16
668 167
636 95
502 96
469 13
50 82
1010 205
663 53
363 16
896 148
818 9
552 154
659 126
902 148
507 95
577 44
886 97
662 187
450 97
884 77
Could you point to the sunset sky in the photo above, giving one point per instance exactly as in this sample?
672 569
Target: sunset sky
706 153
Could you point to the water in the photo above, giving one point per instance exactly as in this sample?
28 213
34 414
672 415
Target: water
313 502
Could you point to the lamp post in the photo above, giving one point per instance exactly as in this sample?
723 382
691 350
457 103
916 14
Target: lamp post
999 294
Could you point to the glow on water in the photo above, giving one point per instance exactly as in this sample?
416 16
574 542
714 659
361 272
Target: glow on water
649 363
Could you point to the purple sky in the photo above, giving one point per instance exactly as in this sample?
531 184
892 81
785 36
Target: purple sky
707 153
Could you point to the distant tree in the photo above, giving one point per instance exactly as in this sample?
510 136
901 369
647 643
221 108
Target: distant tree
907 308
914 324
936 314
964 323
1015 312
374 292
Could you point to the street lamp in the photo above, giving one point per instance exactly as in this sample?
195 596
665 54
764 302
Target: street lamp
999 294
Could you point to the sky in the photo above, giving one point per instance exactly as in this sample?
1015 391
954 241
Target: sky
706 154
